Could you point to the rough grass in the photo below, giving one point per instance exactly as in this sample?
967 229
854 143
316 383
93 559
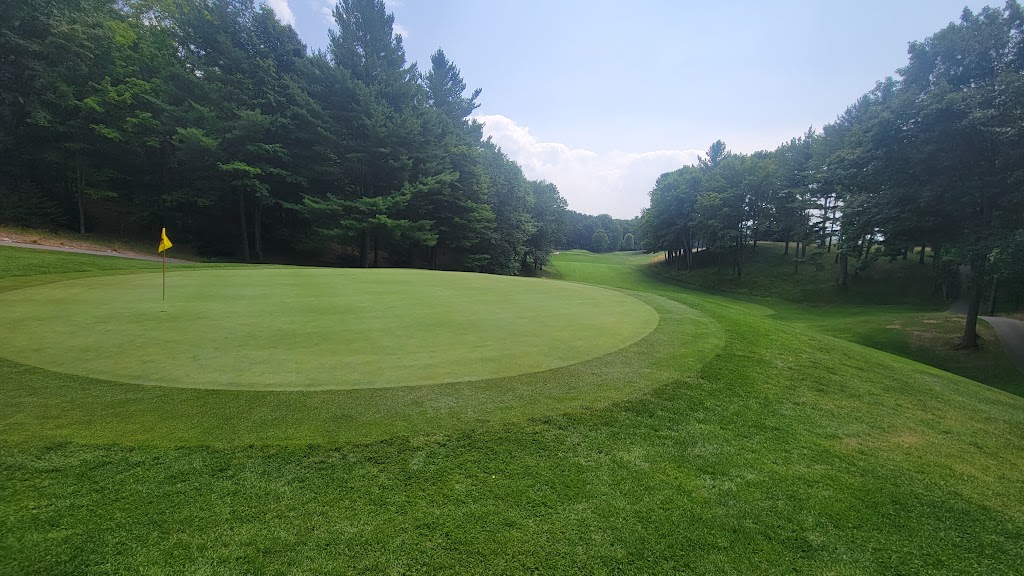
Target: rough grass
891 307
779 450
927 337
769 273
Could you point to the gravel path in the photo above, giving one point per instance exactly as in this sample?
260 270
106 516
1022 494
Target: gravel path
94 252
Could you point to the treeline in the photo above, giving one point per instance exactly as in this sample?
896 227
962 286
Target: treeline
213 119
600 233
933 159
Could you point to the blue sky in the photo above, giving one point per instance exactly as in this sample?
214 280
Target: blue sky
601 97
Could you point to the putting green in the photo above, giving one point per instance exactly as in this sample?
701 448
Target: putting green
314 328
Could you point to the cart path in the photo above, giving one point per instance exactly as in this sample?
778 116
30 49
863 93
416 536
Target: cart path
1011 334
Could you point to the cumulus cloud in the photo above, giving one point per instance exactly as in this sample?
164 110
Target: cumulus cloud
283 11
615 183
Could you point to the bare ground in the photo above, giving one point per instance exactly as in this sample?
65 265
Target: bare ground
102 252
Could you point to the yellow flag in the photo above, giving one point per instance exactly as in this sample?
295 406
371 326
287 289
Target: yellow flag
165 242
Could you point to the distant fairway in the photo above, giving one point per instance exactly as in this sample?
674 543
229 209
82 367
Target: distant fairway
281 329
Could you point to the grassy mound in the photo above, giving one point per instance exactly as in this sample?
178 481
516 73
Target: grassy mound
756 447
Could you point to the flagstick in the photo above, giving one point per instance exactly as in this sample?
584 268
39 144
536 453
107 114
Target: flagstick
163 295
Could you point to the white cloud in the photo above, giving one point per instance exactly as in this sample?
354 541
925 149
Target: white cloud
616 182
283 11
326 9
401 30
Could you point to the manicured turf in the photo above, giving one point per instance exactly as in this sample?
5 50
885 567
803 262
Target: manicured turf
281 329
755 446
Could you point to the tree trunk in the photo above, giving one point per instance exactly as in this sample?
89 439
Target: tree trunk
906 253
739 256
970 337
689 254
832 225
81 214
257 231
844 269
937 264
786 251
376 250
244 225
992 300
920 259
803 253
824 221
80 192
364 249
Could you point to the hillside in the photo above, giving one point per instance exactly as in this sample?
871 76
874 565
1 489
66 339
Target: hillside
769 273
890 306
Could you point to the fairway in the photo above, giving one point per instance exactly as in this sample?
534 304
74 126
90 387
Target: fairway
292 329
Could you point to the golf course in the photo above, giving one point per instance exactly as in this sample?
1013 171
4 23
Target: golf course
611 422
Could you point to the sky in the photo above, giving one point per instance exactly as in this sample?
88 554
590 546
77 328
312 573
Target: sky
601 97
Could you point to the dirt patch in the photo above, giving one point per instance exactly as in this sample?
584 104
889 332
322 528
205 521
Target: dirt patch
852 442
47 239
92 252
907 438
65 242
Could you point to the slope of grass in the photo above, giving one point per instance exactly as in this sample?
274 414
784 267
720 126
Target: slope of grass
769 273
21 262
927 337
778 450
891 306
90 241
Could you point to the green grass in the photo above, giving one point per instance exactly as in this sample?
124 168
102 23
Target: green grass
927 337
91 241
314 328
746 445
21 263
769 273
892 307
